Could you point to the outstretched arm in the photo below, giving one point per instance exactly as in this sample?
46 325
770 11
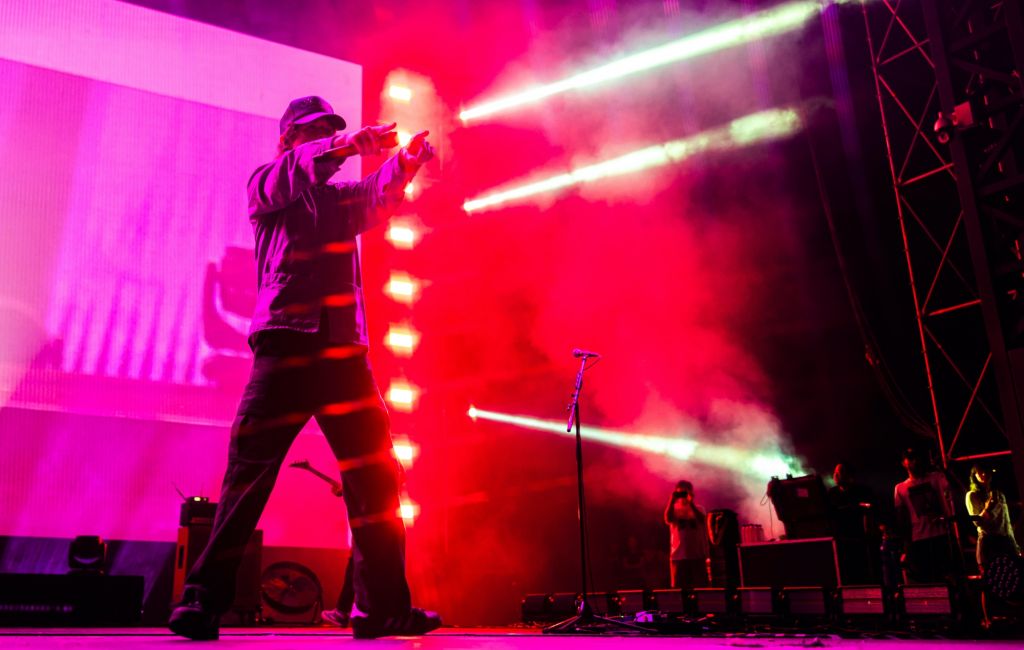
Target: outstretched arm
379 194
281 181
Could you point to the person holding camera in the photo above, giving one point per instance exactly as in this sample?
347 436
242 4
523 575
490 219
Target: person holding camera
988 510
688 536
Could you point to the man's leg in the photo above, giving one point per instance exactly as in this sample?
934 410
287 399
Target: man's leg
356 425
348 593
274 408
343 607
675 573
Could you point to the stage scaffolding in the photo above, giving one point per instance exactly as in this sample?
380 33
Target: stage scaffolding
948 80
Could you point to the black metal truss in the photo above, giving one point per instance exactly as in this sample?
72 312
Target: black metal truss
948 81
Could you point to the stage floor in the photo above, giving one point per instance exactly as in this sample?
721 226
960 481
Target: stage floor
489 638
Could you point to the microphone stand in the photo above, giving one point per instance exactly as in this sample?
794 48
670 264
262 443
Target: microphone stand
585 621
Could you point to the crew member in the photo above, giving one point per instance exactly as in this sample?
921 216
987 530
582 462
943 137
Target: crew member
688 536
924 508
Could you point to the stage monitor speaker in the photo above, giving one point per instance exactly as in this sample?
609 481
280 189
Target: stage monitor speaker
861 601
601 602
191 542
805 602
757 601
712 600
564 605
926 600
536 608
632 601
71 600
792 563
668 601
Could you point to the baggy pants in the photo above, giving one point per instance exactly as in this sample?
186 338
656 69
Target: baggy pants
296 376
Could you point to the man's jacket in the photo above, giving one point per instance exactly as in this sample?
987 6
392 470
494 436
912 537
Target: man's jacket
307 251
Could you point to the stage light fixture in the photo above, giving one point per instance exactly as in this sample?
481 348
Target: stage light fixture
402 396
402 340
669 601
87 554
402 288
537 608
631 601
400 93
712 600
760 25
926 600
762 126
751 462
405 452
806 603
408 511
402 236
403 138
759 602
861 602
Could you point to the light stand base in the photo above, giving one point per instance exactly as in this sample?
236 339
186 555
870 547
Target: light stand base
587 622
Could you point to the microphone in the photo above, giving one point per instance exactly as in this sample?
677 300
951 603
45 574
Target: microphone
583 354
388 141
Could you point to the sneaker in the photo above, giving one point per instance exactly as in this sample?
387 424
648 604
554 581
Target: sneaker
413 623
192 619
334 617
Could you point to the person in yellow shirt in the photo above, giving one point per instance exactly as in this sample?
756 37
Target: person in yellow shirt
987 507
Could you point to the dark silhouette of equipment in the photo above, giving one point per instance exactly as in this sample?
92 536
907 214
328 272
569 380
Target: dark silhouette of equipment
192 539
72 600
87 554
292 592
724 534
802 505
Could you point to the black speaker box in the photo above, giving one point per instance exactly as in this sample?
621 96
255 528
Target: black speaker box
191 542
802 505
861 601
724 531
71 600
197 511
793 563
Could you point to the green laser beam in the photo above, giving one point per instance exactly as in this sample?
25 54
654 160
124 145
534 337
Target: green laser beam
761 463
760 25
757 127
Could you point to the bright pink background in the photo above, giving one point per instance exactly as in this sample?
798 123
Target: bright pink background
125 159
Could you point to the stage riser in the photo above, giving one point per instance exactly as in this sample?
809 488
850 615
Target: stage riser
856 607
154 563
32 600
